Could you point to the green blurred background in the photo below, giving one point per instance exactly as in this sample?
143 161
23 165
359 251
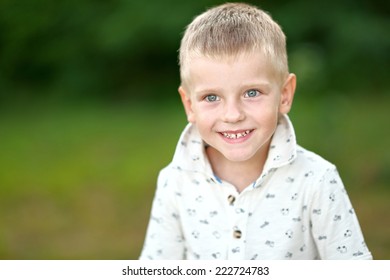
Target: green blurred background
89 113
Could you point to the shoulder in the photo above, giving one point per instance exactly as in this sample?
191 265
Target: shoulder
173 177
310 158
167 176
168 189
319 175
314 173
311 162
172 172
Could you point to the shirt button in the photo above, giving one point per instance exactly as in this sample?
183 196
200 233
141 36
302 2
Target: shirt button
231 199
237 234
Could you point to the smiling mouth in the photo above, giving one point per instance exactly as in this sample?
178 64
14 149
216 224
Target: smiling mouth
238 135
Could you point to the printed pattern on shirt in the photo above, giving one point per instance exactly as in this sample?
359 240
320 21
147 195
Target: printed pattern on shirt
297 209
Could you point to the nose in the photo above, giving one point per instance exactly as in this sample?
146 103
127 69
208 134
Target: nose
233 112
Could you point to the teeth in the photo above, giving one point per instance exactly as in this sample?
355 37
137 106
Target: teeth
236 136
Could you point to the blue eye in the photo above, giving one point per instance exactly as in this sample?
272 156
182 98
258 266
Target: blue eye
252 93
211 98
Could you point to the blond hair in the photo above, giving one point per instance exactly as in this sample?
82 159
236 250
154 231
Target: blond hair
231 29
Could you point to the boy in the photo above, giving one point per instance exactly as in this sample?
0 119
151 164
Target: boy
239 187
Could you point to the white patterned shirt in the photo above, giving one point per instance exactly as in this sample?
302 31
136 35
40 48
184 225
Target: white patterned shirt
297 209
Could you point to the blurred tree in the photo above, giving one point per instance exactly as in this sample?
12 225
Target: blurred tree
121 49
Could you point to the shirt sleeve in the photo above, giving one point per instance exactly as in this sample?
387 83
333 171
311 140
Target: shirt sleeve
164 239
335 227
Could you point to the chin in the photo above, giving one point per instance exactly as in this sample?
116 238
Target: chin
238 157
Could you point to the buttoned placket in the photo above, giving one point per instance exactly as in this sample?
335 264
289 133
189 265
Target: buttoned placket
238 208
239 212
238 220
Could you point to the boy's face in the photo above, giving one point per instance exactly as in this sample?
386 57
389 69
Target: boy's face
235 103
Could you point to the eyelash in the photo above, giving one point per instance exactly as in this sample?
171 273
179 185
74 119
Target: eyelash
206 98
255 90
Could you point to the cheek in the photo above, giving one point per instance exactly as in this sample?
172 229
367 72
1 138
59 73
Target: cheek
204 120
264 111
202 113
193 112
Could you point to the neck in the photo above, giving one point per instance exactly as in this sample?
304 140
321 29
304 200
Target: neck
239 174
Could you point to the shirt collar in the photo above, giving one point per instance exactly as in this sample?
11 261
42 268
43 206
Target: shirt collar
191 155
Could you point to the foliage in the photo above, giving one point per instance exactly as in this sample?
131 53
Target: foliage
126 49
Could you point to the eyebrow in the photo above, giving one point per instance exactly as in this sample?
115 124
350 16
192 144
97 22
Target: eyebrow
253 85
207 90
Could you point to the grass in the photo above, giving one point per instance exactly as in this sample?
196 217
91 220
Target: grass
77 182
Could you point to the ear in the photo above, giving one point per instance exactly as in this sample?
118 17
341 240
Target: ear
287 94
186 100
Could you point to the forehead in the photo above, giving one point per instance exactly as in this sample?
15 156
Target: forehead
245 68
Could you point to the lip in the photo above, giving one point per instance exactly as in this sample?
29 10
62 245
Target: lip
236 136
